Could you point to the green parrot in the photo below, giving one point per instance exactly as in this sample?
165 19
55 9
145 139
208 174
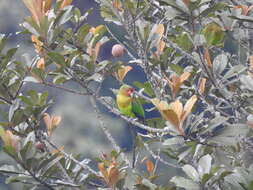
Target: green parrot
127 104
131 107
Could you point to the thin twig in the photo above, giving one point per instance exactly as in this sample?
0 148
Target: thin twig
106 131
157 157
84 166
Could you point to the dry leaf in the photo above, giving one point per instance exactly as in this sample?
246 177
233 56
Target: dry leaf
46 6
64 3
113 175
160 47
169 114
10 140
207 57
202 86
161 44
117 5
37 44
188 107
51 122
176 81
174 112
187 2
245 9
41 64
102 169
150 166
56 120
177 107
38 8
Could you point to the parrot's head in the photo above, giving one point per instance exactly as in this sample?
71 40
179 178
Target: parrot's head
126 90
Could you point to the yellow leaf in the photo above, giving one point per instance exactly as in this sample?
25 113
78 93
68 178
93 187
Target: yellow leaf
122 72
97 30
160 30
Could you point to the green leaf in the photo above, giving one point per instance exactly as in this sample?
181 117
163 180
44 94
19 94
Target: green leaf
148 89
9 169
173 141
82 32
43 98
148 184
204 165
191 172
235 70
60 79
27 151
220 63
214 123
214 34
34 96
58 58
13 108
64 16
176 68
10 150
247 82
50 165
3 40
185 183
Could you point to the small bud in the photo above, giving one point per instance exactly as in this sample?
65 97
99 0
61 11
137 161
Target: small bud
117 50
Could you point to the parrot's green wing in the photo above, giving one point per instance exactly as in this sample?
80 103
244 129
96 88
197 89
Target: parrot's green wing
138 109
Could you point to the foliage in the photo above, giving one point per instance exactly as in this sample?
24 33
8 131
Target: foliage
196 53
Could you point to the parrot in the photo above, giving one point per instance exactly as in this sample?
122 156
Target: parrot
127 104
130 107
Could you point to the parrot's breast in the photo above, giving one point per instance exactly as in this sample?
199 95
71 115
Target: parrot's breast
124 104
123 101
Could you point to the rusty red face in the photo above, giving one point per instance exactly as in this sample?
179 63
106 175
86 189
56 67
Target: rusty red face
130 91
